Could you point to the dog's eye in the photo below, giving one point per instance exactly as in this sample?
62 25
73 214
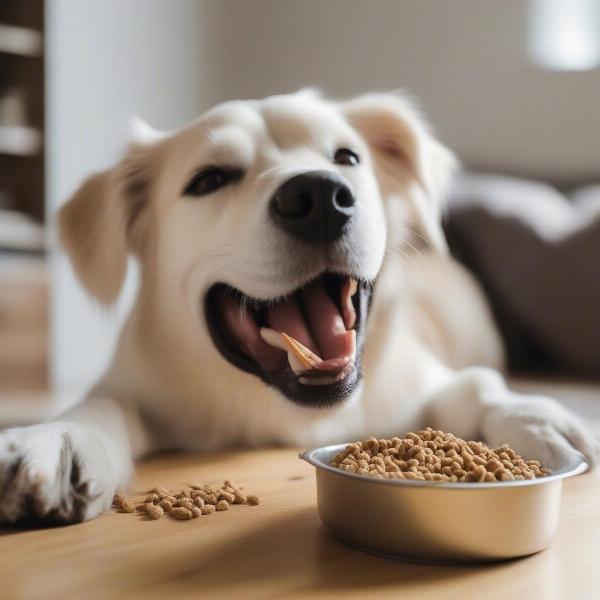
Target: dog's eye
210 180
343 156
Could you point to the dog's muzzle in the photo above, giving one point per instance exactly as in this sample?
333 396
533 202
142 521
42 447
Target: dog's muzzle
307 344
315 207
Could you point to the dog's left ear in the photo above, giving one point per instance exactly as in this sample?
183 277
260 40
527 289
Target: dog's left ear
106 218
406 156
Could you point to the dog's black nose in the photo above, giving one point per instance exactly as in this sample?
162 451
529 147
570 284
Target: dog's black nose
314 207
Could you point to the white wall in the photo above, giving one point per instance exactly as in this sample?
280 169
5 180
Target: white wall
106 61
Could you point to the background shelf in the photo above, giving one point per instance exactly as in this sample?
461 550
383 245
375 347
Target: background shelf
22 107
20 41
20 140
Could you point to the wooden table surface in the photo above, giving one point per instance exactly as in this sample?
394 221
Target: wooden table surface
275 550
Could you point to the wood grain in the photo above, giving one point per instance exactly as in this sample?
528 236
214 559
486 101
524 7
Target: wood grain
277 549
24 324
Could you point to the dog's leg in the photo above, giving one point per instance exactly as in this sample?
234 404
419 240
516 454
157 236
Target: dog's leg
476 403
68 470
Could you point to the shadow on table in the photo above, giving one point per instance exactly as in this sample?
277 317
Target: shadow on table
297 554
31 526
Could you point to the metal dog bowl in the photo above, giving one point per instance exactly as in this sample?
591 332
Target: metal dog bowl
436 521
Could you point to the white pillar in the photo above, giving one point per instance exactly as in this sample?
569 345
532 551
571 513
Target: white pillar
107 61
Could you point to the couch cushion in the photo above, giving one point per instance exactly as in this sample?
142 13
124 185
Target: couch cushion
537 254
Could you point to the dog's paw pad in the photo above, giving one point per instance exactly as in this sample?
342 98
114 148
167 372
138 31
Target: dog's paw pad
41 477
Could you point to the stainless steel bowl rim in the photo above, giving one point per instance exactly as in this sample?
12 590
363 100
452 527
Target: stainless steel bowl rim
314 457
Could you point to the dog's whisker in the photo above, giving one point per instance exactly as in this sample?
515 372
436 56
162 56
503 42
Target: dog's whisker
243 308
416 253
224 244
395 243
220 254
397 236
415 233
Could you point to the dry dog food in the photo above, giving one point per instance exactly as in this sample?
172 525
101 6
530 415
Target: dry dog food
154 511
431 455
187 504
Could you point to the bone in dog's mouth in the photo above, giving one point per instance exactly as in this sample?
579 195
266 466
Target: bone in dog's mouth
306 343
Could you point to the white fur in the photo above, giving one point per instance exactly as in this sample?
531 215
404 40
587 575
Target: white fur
169 387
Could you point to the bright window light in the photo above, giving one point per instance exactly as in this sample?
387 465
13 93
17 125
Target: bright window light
564 35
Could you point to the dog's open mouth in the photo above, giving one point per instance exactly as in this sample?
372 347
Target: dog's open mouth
307 344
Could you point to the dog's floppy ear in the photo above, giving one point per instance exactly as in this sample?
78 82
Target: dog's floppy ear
405 153
104 220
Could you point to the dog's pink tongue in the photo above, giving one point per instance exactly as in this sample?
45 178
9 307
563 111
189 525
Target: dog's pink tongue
242 328
320 327
326 323
287 316
312 319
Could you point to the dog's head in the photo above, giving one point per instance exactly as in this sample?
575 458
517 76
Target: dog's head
269 220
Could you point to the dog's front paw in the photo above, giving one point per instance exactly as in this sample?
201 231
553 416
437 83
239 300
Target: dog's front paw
52 473
540 428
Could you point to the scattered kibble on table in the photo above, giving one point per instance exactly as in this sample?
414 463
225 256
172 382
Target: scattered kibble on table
431 455
189 503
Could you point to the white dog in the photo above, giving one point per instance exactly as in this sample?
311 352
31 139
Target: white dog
291 214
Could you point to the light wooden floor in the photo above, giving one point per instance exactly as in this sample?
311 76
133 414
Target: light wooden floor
278 549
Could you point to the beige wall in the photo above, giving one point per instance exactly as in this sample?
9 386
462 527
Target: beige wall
466 60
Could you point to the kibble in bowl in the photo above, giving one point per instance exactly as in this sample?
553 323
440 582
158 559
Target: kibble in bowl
392 497
431 455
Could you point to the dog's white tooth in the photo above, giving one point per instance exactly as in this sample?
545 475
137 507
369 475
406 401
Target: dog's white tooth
295 364
349 314
353 334
349 289
273 338
353 287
